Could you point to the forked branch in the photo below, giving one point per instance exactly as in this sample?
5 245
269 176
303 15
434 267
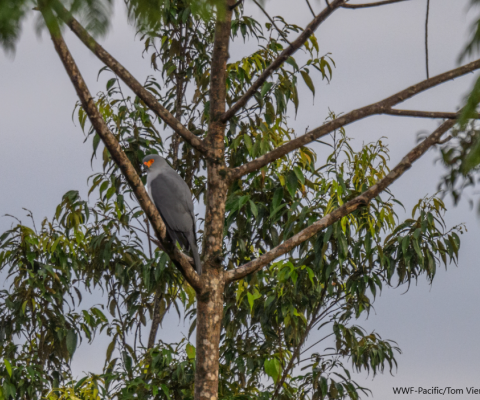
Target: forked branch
329 219
129 79
382 107
296 44
121 159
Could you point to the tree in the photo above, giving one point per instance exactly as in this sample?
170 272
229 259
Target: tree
287 246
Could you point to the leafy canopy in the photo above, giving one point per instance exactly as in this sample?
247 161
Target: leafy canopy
104 244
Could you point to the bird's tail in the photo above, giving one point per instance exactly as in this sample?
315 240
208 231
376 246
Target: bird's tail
194 249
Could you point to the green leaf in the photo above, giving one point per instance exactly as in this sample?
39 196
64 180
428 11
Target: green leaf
252 297
110 83
248 143
405 243
308 81
292 183
265 88
273 368
254 208
328 234
71 342
165 390
191 351
416 246
110 349
8 366
299 174
310 275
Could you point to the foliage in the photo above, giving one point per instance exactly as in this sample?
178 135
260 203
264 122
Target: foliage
471 152
324 285
454 154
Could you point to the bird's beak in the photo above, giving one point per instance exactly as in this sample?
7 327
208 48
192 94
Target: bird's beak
147 164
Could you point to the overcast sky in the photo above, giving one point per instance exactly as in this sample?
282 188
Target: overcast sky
378 52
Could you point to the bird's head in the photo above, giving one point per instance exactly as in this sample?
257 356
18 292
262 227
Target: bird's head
154 161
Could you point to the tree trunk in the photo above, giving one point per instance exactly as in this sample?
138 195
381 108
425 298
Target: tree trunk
209 325
210 299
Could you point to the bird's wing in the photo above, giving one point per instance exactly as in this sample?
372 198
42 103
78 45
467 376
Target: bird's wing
173 199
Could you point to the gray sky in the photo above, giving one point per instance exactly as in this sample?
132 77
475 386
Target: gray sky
378 52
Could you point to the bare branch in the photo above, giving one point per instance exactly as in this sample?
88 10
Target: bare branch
426 39
129 80
422 114
296 44
122 160
352 205
368 5
317 342
273 22
311 9
382 107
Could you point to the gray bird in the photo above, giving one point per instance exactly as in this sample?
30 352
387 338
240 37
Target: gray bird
173 199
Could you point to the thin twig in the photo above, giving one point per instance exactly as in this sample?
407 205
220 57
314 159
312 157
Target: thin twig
368 5
273 22
426 38
447 139
311 9
317 342
423 114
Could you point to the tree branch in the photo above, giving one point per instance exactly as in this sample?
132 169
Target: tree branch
426 39
296 44
352 205
235 5
120 158
311 9
129 80
382 107
422 114
156 320
376 4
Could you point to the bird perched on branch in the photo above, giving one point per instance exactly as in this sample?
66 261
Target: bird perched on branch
173 199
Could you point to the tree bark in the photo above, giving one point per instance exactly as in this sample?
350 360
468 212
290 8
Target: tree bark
156 320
